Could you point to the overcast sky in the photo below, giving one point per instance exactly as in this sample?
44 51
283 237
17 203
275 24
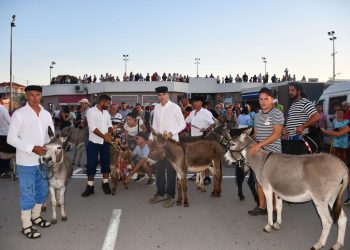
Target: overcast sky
230 37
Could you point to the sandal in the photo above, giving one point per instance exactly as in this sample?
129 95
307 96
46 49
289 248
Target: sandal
32 233
42 223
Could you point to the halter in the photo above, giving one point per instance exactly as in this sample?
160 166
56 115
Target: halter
222 137
44 170
239 151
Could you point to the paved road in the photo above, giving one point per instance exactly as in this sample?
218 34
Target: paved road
207 224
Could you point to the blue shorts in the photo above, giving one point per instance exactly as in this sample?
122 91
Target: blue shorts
33 187
92 152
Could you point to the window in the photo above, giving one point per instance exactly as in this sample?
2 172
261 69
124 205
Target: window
334 101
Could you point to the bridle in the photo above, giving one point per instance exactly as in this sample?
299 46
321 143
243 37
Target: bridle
239 151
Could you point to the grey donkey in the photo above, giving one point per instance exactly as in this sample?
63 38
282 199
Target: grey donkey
321 178
59 172
77 140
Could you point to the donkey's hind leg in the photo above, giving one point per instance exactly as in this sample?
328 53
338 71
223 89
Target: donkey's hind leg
179 192
279 204
323 212
341 230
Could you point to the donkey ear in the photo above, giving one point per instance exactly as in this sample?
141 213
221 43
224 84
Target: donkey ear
248 131
50 132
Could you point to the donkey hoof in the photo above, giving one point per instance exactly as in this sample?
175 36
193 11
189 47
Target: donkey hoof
186 204
179 203
64 218
53 221
241 197
276 226
113 193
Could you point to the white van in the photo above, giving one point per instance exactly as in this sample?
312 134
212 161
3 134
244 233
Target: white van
337 92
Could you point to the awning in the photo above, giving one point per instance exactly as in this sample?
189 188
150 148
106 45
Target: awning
249 96
70 99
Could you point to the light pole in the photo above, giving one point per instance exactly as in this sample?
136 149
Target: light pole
51 67
197 62
264 61
332 38
125 59
12 25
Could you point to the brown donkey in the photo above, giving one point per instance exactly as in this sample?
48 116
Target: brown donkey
195 157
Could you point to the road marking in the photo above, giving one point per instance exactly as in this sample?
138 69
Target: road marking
112 231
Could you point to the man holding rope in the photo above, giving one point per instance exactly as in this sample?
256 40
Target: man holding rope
100 130
28 133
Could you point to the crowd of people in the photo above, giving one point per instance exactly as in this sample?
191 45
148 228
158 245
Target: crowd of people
274 131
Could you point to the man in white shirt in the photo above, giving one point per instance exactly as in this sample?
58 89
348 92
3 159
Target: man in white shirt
4 146
169 121
100 129
201 120
28 133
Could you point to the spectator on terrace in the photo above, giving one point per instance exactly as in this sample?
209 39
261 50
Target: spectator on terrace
238 78
95 79
117 79
164 77
137 77
255 79
293 78
141 77
266 78
230 79
260 78
226 79
125 77
131 77
274 78
245 77
187 79
147 77
206 76
218 79
303 79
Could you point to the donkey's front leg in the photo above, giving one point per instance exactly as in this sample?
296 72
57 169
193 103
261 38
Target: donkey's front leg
179 192
53 204
61 202
186 204
269 200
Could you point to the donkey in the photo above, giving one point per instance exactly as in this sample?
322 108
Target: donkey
60 170
77 139
321 178
195 157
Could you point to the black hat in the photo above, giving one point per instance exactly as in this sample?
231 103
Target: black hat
197 98
162 89
143 135
266 91
33 87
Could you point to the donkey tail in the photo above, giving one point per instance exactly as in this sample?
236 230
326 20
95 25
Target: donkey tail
338 204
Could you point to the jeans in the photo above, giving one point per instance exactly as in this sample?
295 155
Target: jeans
165 185
33 187
92 151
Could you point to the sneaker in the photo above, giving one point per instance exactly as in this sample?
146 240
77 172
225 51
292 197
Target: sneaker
169 202
140 178
150 182
347 202
258 211
106 189
207 181
157 199
89 190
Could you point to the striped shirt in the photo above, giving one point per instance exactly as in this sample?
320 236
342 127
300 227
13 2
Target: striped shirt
298 114
264 123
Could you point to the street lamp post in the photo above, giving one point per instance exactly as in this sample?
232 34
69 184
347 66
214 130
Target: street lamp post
264 61
125 59
12 25
197 62
51 67
332 38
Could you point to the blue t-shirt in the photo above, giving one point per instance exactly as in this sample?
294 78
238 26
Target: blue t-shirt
141 152
341 141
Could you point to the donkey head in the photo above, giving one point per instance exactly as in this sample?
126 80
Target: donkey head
157 147
240 140
54 149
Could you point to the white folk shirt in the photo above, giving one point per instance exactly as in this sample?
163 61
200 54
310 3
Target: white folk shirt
168 118
4 120
27 130
100 120
199 120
